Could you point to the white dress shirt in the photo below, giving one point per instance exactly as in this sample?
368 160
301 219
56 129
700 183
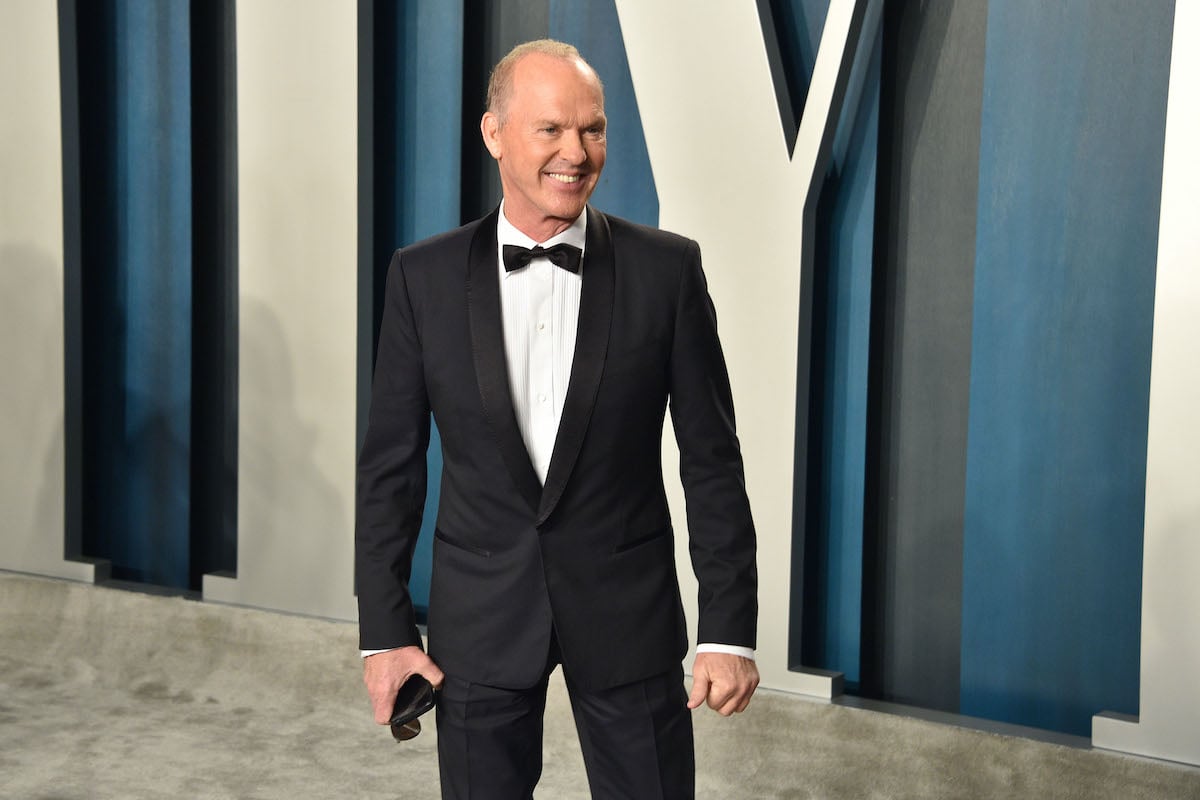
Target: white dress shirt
539 309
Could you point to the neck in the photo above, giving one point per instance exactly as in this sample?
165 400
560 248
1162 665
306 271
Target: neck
542 229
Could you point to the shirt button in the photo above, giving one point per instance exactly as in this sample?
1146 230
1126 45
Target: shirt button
541 326
542 398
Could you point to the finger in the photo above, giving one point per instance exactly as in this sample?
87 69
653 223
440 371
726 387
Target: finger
700 687
382 705
377 694
743 699
383 697
735 700
720 697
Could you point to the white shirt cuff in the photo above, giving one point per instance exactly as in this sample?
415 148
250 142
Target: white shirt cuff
731 649
365 653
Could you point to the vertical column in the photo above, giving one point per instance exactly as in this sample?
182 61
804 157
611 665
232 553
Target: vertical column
829 603
213 501
297 230
920 353
140 508
32 460
1170 660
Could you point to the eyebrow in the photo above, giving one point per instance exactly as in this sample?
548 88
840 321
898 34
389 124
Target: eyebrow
597 121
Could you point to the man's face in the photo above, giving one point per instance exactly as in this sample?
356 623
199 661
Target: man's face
551 147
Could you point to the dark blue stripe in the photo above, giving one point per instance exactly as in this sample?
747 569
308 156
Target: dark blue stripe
429 38
153 263
1069 179
427 187
845 227
792 29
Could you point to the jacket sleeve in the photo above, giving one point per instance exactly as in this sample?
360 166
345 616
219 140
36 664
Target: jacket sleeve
390 493
720 528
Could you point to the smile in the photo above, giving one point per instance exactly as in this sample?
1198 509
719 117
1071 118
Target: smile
561 178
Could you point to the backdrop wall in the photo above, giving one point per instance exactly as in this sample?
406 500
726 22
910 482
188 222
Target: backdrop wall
793 307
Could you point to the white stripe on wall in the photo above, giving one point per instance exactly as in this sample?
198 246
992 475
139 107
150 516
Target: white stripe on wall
31 296
297 230
1169 718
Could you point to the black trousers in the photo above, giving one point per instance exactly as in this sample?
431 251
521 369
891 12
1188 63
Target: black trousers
636 739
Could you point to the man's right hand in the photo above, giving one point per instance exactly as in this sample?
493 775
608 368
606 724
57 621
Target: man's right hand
384 673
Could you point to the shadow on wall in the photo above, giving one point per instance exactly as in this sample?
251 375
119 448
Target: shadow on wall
154 541
31 405
930 25
288 505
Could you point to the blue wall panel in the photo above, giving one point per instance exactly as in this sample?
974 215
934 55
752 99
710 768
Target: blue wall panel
147 519
792 31
850 228
1070 171
427 148
429 111
799 25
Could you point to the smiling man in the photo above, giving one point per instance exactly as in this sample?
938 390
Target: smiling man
548 340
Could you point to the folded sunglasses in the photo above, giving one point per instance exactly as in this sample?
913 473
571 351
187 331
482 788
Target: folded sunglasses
416 696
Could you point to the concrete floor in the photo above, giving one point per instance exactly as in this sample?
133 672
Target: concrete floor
114 694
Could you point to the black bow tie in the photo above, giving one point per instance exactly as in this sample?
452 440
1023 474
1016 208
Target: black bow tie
561 255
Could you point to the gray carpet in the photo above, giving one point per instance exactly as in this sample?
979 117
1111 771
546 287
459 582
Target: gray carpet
113 694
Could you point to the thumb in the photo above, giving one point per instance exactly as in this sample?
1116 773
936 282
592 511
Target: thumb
700 684
433 673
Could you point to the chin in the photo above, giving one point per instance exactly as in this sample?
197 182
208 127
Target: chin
566 211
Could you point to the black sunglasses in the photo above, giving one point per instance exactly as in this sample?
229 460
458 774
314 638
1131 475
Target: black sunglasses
416 696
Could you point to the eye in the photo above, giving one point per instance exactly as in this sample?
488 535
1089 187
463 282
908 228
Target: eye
551 129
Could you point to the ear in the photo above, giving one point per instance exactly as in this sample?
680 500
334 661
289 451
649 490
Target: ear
489 126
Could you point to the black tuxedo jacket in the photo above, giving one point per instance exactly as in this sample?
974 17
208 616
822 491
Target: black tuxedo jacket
591 554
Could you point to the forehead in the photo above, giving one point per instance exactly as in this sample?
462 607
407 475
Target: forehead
543 84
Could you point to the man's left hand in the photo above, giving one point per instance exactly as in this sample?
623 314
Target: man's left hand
725 680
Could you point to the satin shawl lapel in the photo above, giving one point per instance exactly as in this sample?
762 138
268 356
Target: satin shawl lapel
591 346
491 368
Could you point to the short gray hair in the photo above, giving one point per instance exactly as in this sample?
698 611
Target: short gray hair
500 84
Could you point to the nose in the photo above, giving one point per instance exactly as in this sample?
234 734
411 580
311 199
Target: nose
572 149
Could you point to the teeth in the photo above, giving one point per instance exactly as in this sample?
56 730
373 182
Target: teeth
558 176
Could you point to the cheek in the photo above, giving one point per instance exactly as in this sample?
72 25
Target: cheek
521 169
532 160
597 154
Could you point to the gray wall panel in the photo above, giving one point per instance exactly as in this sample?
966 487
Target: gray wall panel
929 144
34 285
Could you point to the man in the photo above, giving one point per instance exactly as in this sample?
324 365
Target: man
549 374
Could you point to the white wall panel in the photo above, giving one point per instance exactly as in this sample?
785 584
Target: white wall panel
1168 724
31 295
297 177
